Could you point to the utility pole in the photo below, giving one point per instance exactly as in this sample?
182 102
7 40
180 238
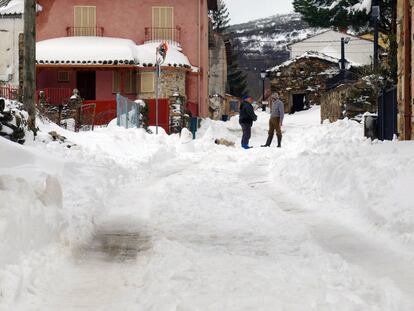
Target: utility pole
160 55
375 16
29 66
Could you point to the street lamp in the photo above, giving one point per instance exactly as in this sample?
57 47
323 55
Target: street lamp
343 42
263 75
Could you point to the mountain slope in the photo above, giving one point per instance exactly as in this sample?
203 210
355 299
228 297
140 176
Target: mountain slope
262 44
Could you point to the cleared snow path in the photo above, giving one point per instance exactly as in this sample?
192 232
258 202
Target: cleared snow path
154 225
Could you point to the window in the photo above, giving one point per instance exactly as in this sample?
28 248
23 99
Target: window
163 26
130 82
147 82
84 21
63 76
234 106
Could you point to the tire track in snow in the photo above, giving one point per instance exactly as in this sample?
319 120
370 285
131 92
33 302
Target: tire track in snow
362 249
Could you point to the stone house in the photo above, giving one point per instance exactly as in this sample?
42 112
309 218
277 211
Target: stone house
11 38
302 80
405 88
102 51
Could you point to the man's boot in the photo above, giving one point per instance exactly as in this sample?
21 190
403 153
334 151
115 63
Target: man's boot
268 141
279 141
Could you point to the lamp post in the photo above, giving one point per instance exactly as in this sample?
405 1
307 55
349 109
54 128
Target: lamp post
343 61
263 75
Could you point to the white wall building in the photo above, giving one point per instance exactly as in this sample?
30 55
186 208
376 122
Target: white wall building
11 25
357 51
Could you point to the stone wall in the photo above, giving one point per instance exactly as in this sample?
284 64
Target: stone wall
217 65
332 103
171 82
348 101
303 76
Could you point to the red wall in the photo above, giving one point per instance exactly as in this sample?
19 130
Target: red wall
104 85
48 79
128 19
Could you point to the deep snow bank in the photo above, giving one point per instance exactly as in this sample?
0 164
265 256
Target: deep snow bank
30 210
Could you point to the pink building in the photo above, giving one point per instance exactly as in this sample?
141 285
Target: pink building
104 47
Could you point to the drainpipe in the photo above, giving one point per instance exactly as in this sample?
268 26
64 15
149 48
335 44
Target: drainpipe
407 71
199 57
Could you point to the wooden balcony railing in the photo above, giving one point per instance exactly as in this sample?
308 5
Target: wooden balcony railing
170 35
85 31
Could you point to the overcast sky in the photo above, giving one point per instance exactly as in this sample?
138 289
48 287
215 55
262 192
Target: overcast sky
246 10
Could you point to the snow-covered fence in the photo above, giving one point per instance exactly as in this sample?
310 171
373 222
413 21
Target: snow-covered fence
128 112
9 92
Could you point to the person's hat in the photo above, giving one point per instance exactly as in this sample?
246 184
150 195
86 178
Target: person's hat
246 97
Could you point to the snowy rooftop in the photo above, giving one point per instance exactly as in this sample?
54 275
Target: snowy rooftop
10 7
307 55
105 51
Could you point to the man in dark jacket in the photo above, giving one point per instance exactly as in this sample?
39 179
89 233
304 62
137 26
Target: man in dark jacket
246 119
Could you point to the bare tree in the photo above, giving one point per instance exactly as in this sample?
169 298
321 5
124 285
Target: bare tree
29 66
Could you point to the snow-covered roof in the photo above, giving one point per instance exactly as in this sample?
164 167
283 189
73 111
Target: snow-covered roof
86 50
175 57
305 55
105 51
11 7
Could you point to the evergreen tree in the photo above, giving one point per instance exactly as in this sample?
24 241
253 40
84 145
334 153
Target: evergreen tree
344 13
220 18
236 79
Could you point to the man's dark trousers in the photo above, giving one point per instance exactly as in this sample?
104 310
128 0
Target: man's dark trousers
247 133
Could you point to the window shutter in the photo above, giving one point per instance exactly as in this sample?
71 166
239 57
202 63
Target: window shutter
85 21
130 82
147 82
163 23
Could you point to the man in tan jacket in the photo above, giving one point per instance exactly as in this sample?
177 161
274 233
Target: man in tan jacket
275 121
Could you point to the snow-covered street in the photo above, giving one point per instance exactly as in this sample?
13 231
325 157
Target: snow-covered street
124 220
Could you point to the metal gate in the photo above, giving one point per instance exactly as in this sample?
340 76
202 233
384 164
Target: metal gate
387 114
128 112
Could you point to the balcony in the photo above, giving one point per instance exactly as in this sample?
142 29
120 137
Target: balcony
85 31
171 35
